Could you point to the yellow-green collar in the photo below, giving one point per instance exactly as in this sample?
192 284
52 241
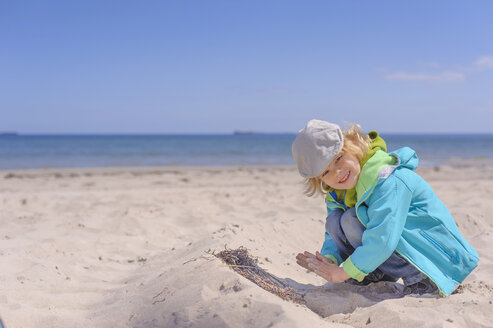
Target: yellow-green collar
369 173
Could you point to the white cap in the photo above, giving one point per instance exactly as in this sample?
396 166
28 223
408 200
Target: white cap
315 147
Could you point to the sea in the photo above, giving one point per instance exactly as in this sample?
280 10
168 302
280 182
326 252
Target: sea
243 149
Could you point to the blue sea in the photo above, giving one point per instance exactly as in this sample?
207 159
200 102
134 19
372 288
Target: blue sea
64 151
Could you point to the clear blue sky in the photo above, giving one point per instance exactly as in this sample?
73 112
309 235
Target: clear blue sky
210 66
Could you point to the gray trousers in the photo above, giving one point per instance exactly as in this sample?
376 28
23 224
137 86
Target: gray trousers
347 231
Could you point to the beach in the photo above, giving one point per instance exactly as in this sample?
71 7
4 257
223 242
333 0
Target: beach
135 247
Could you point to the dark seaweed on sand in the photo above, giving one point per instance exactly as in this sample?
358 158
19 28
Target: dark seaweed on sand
240 261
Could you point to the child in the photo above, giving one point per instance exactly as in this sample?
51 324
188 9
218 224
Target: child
384 221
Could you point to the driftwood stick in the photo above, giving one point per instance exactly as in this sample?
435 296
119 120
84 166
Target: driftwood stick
240 261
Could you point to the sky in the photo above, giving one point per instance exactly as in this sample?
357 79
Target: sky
207 66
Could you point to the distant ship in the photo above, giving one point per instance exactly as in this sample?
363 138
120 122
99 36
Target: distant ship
242 132
7 133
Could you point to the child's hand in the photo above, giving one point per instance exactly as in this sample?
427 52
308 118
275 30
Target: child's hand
302 259
322 266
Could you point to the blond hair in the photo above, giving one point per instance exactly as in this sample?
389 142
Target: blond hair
355 143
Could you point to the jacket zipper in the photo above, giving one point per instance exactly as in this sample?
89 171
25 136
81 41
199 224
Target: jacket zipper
368 193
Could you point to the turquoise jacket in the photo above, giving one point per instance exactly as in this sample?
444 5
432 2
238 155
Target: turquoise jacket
401 212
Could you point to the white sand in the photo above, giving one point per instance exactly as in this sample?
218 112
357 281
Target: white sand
129 248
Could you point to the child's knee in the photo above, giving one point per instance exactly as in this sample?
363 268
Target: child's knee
333 222
352 228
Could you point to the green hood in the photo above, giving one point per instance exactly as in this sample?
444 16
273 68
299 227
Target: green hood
372 162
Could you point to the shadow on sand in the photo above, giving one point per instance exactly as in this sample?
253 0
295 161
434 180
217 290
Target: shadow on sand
334 298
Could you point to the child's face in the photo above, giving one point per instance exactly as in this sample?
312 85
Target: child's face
343 172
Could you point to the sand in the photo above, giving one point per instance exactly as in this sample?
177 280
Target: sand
133 247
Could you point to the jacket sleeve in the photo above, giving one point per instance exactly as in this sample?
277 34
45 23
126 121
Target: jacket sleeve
388 208
329 249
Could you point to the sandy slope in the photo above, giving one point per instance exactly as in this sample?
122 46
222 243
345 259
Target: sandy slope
131 248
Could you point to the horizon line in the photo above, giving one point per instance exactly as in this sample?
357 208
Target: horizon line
238 133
